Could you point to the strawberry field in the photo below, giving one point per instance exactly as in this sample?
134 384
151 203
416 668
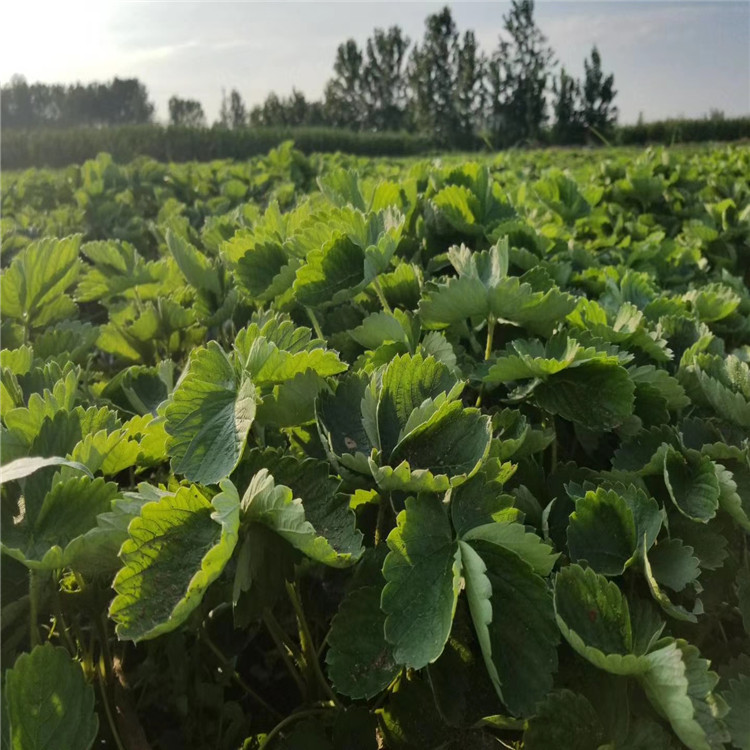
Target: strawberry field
334 453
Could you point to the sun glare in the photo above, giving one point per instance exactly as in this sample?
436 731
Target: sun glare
56 41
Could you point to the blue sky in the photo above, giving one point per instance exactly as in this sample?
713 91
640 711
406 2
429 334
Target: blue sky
669 58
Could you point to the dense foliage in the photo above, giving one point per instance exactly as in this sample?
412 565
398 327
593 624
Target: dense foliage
336 453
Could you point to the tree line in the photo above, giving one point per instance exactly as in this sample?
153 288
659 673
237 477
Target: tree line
443 87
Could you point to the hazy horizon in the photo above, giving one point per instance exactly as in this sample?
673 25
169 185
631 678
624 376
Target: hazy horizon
670 59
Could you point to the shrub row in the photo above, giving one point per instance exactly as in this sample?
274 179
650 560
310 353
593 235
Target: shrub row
58 148
21 149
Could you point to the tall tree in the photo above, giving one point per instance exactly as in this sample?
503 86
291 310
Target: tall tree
118 102
521 71
432 79
568 116
469 88
383 85
598 94
343 93
233 113
186 113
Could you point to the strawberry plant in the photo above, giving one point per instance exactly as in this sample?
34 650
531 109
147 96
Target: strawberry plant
328 452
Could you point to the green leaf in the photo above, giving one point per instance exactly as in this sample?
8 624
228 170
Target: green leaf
673 564
594 617
68 511
195 267
737 720
381 327
423 575
341 187
276 351
33 288
360 661
23 467
407 383
176 548
453 441
477 502
602 532
514 537
566 721
341 423
108 453
27 420
597 395
50 705
275 506
692 484
680 686
324 507
673 610
208 417
331 274
511 608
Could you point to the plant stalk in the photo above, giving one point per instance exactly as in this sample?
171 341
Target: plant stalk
309 652
282 725
34 638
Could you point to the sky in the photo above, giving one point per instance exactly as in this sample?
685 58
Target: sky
670 59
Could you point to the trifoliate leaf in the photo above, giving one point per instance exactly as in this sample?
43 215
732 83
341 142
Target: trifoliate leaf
209 416
360 661
176 548
50 705
422 573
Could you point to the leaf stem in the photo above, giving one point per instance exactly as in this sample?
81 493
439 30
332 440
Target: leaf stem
315 323
282 725
306 642
34 638
490 336
381 295
382 515
60 618
101 679
236 676
279 638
